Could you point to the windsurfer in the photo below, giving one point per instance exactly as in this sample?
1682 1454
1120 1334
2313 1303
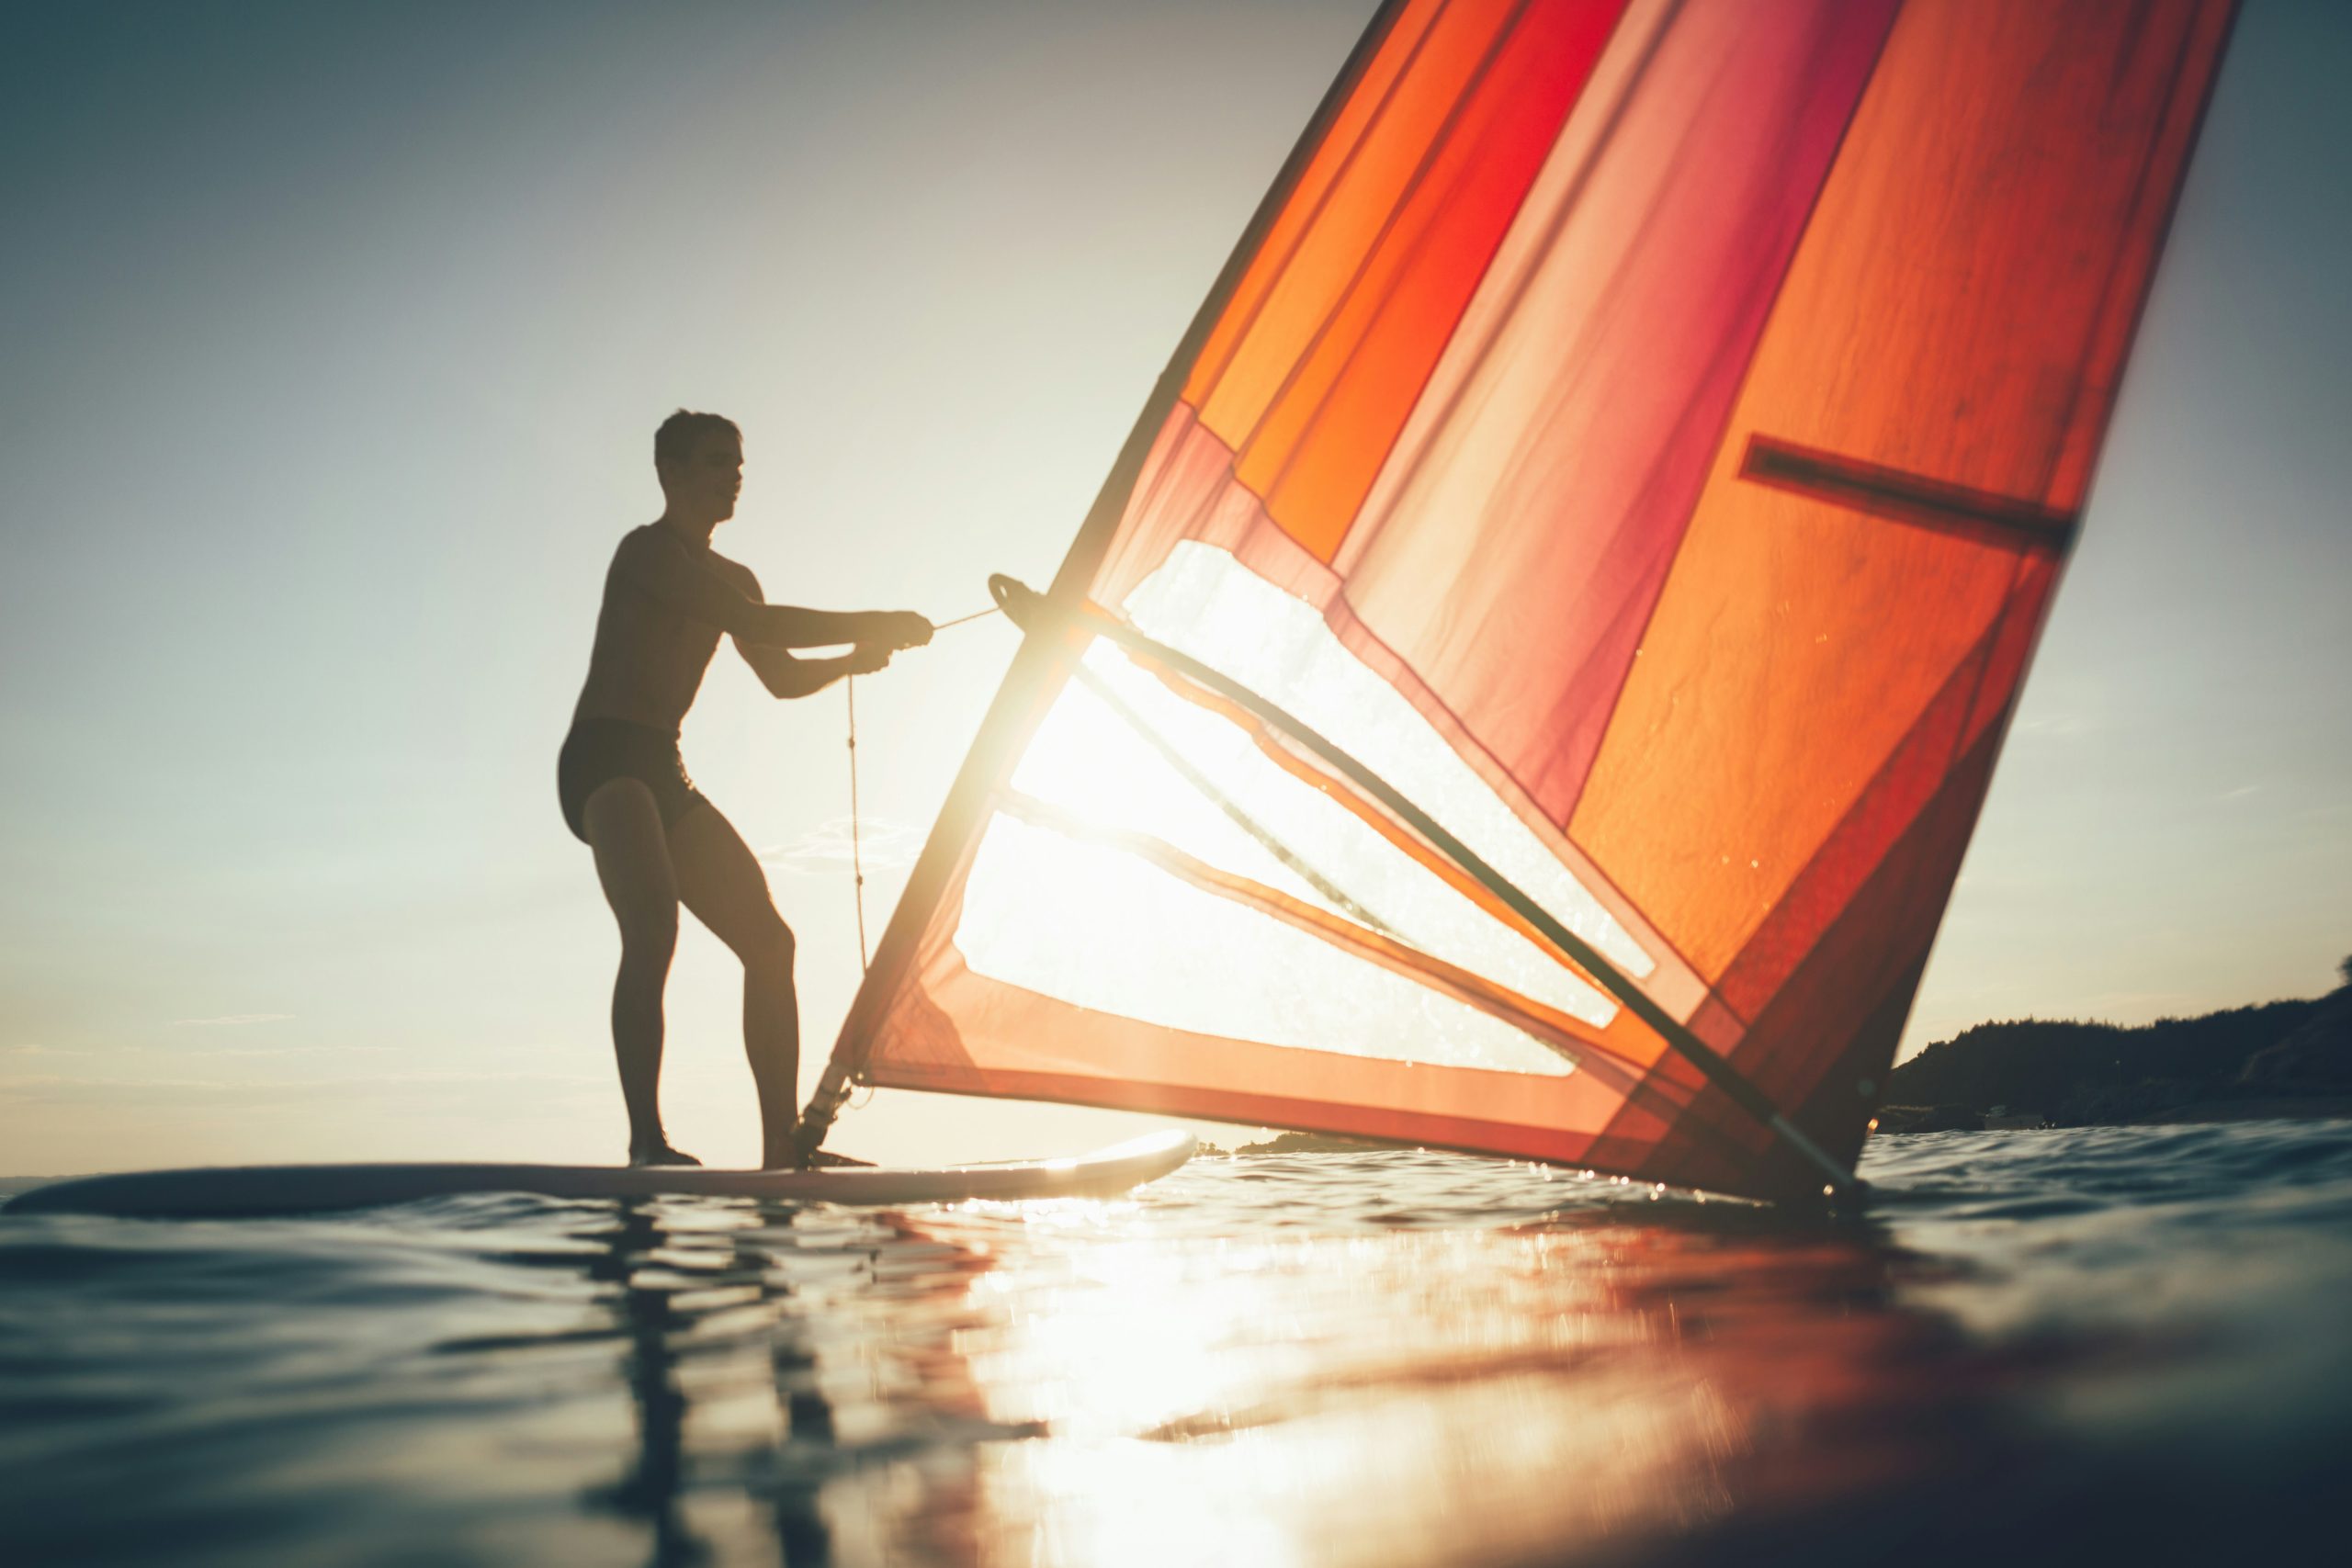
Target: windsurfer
658 841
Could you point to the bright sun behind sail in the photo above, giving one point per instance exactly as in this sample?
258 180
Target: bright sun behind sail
1643 436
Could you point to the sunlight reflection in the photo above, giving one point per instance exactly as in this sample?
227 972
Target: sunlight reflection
1383 1386
1324 1398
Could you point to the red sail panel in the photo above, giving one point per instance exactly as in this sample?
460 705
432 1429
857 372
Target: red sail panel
1928 326
1539 498
1315 202
1335 219
1646 434
1862 651
1314 451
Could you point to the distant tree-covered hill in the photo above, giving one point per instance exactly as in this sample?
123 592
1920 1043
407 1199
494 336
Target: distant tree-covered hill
2075 1073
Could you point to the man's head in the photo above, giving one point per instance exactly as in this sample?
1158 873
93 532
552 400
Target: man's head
699 460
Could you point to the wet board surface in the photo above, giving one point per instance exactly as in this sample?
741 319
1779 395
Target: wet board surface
216 1190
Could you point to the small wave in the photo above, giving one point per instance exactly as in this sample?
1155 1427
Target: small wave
1373 1357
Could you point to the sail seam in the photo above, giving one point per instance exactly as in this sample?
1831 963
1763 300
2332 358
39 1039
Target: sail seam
1732 407
1440 144
1416 460
1203 376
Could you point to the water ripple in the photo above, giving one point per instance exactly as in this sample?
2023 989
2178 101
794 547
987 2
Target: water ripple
2037 1345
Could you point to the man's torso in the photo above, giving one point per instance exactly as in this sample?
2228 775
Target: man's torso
648 656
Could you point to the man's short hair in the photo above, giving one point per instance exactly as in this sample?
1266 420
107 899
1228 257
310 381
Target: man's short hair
679 434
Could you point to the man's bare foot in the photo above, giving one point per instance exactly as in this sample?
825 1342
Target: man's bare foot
825 1159
660 1154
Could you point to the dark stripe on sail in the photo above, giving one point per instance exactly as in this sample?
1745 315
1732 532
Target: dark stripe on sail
1905 497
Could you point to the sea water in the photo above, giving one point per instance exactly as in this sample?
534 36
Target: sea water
2108 1345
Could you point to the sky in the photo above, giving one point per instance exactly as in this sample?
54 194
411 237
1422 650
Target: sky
332 341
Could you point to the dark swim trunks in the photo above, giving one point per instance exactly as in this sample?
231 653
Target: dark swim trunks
599 750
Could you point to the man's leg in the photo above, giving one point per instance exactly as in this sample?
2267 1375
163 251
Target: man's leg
624 827
720 880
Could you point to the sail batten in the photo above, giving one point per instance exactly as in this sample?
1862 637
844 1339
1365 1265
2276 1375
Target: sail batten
1890 492
1591 537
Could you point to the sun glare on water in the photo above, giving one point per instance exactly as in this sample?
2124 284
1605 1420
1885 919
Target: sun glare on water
1237 1438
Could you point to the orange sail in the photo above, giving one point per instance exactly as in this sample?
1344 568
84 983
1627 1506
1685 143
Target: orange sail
1571 583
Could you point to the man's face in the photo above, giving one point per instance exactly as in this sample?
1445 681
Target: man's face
705 486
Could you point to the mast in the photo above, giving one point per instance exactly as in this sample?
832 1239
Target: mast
1016 704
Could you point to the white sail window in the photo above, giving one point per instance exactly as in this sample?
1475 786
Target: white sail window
1098 927
1208 605
1095 756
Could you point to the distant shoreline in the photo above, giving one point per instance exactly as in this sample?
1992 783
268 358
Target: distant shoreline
2289 1060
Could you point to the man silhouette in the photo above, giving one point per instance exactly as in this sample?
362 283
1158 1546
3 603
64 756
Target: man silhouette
668 599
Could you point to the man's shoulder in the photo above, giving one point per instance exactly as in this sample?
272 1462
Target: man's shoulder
650 538
641 545
644 536
740 573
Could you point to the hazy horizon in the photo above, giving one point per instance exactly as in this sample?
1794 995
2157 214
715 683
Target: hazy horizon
336 339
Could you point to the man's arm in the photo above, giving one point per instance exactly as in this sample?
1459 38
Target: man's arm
786 676
665 569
